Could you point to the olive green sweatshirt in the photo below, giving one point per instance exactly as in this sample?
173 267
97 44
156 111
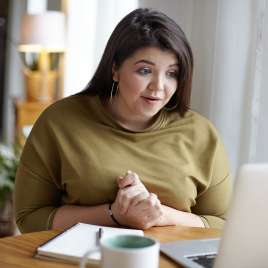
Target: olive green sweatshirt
76 150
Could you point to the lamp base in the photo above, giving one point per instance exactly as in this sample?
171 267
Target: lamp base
40 86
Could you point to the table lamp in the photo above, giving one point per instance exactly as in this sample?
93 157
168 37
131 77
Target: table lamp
42 42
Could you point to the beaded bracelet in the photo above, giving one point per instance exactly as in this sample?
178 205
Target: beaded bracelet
112 215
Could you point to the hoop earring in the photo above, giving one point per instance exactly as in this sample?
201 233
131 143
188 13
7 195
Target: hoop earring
113 91
171 108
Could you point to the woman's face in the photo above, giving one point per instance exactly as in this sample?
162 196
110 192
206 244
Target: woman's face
146 80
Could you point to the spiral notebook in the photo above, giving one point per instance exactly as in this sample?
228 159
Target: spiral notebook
71 245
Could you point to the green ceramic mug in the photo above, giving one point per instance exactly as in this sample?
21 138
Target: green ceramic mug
129 251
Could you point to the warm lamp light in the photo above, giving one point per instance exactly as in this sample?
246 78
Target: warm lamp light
42 43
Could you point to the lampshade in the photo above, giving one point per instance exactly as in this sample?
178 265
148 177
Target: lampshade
43 31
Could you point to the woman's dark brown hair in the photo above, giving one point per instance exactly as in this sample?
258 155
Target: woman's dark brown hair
142 28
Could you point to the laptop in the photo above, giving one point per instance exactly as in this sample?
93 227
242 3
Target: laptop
245 236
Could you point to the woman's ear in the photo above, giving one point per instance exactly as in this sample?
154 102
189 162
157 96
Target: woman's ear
115 73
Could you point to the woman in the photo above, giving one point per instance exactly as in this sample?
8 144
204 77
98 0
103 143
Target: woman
127 150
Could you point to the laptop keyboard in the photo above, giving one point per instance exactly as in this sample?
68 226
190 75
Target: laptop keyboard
206 261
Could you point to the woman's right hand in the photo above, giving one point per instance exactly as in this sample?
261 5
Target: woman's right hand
143 215
131 191
134 205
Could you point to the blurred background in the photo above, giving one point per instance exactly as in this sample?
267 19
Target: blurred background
49 49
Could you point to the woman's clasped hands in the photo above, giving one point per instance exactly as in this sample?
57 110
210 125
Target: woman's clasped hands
134 206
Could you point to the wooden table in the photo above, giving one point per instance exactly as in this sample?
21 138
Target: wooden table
18 251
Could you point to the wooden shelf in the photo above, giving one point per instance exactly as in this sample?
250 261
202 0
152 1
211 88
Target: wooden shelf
26 113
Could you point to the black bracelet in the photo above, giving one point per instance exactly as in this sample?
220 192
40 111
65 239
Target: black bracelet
112 215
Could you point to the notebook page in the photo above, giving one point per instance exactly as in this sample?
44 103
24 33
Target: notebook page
74 242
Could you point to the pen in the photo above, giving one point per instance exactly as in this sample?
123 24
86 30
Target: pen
84 258
99 234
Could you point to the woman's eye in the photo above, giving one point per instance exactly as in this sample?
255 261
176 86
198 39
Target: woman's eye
172 74
144 71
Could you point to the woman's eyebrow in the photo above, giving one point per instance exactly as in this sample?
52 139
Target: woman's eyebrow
144 61
152 63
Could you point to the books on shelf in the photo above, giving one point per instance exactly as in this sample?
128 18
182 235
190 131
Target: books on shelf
73 243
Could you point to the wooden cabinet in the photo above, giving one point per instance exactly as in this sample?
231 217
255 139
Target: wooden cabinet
26 113
4 21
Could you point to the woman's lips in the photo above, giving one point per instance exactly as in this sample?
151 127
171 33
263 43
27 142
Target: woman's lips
151 100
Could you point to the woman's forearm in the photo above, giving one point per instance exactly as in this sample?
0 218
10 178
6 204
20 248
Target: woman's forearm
67 216
172 216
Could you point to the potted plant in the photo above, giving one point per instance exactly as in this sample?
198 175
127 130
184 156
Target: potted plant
9 159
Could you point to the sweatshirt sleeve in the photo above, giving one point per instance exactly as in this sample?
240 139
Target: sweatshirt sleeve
212 202
37 187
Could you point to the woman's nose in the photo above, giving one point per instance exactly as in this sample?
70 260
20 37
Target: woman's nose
157 83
